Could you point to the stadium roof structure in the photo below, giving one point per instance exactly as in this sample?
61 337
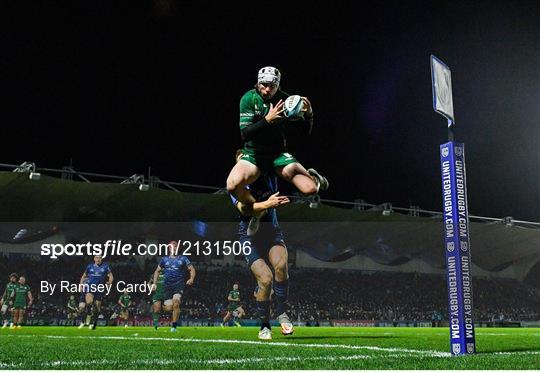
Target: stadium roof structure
49 205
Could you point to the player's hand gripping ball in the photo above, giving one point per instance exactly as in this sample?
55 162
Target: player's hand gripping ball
293 108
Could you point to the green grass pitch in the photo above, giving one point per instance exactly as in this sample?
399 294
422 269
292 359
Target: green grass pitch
239 348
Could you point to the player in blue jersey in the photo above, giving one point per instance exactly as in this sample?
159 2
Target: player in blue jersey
267 245
93 279
175 277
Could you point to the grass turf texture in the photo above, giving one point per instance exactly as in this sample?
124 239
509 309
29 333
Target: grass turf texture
239 348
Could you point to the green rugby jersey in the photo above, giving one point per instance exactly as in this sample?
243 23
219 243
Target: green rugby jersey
125 300
21 295
271 139
159 284
10 287
235 295
72 304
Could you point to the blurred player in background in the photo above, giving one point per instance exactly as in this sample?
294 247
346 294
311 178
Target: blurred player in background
157 299
72 310
262 130
175 270
238 314
90 301
124 302
267 246
234 303
22 299
6 302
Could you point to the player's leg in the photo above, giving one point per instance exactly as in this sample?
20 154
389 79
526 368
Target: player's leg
82 311
307 182
176 299
242 174
89 309
156 311
167 305
4 312
236 316
15 317
263 276
96 310
126 317
123 316
19 316
11 311
226 318
20 320
278 258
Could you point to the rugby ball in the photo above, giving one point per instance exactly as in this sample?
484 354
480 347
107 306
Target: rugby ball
293 108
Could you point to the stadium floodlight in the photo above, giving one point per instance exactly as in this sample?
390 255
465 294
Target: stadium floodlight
25 167
359 204
136 178
387 209
508 221
34 176
455 218
414 210
28 167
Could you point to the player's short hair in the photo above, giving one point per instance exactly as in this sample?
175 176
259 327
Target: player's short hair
13 275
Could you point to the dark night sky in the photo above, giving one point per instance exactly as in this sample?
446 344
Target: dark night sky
118 87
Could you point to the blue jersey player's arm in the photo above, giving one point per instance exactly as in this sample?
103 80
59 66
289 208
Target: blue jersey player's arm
191 270
109 275
255 209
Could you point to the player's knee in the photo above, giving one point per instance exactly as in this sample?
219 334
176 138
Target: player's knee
233 183
309 188
281 271
265 281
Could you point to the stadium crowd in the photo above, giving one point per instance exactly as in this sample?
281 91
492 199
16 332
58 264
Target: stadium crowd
316 295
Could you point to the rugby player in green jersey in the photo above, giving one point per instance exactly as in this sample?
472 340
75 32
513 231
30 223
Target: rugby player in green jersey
72 309
159 303
21 300
6 302
234 303
157 299
262 130
124 302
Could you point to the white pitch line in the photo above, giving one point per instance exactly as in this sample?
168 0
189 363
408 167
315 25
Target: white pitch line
154 362
517 353
431 353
